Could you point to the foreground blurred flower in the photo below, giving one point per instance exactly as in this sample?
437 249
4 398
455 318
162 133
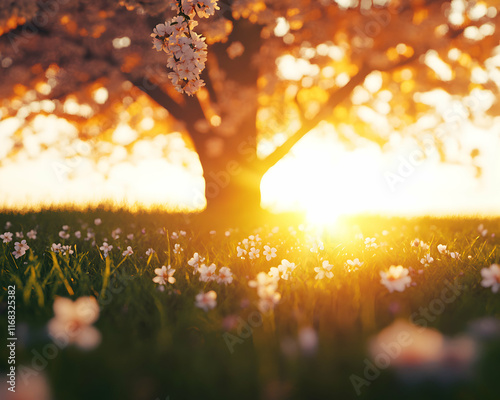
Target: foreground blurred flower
72 322
486 328
308 340
164 275
421 353
207 273
33 385
6 237
262 280
268 299
491 277
206 301
266 290
396 278
128 252
225 276
414 344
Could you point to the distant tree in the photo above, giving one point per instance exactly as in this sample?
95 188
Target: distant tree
350 63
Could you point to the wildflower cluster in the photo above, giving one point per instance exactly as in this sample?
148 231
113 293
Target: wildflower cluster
250 247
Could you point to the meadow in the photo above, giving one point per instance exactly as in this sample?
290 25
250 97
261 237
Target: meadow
281 310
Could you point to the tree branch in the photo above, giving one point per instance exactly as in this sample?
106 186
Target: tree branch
189 111
158 95
335 99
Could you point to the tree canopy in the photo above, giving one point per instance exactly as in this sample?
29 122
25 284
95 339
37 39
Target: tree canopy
275 70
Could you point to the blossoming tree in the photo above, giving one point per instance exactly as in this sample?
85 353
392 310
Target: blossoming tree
234 73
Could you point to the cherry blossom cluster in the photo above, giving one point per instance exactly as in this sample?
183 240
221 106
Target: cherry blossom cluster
186 50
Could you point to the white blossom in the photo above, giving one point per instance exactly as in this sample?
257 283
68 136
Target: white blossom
164 275
206 301
396 278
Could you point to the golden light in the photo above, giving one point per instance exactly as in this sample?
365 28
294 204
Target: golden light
282 27
323 180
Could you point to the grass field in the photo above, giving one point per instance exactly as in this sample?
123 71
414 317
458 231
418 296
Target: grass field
431 330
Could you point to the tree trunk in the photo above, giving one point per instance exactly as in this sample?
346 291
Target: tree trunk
232 177
231 171
232 191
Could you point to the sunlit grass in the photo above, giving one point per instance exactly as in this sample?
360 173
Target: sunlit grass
165 346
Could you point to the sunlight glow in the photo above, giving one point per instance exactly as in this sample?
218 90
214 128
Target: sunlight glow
294 69
321 177
324 180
